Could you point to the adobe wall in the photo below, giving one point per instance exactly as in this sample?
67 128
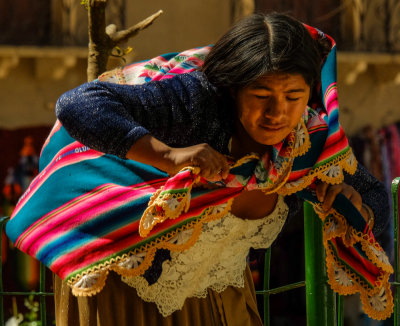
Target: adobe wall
180 27
368 90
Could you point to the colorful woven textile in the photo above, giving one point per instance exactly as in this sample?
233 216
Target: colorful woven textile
88 212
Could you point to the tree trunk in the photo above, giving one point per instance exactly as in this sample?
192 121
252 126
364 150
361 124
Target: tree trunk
102 40
99 41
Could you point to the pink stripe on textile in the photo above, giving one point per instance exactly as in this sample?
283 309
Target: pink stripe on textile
295 175
66 216
65 220
331 101
114 242
56 127
56 230
352 258
335 145
335 137
100 249
57 163
182 180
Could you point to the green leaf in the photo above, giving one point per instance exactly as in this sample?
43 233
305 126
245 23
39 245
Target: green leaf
85 3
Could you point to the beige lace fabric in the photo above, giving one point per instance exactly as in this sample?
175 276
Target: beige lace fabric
217 260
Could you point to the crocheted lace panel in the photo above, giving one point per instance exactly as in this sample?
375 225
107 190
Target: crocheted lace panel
217 260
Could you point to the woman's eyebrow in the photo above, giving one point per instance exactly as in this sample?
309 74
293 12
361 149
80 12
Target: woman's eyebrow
294 90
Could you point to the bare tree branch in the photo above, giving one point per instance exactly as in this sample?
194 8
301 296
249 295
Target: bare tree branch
103 39
122 36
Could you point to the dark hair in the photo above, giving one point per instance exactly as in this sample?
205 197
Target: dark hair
260 44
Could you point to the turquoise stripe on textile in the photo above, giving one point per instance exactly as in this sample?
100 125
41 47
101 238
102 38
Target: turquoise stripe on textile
97 227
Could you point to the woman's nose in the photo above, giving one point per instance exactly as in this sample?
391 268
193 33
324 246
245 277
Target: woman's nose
275 108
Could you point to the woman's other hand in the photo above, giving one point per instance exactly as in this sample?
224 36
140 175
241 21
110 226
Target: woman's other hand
326 194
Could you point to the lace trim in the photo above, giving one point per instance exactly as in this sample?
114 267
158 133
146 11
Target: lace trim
217 260
143 256
377 301
331 173
302 142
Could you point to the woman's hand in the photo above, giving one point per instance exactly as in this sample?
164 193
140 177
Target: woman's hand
149 150
327 193
213 165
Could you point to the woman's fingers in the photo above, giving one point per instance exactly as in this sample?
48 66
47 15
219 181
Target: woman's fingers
331 192
214 171
353 196
326 194
321 191
213 165
225 168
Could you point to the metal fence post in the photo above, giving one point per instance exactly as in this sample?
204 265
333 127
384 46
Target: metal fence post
42 289
320 299
267 266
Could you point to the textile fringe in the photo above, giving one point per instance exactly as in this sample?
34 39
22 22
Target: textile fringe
377 301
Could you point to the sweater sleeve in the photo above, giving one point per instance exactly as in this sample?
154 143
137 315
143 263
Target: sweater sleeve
111 117
373 194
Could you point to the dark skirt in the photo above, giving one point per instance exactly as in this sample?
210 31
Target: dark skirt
118 304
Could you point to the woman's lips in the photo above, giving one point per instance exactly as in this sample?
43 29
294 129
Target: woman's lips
271 127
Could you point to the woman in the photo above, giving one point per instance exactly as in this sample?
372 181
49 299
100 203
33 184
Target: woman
209 119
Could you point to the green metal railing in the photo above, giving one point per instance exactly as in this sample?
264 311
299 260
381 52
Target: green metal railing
42 294
324 307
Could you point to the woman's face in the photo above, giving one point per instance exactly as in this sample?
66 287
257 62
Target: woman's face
272 106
